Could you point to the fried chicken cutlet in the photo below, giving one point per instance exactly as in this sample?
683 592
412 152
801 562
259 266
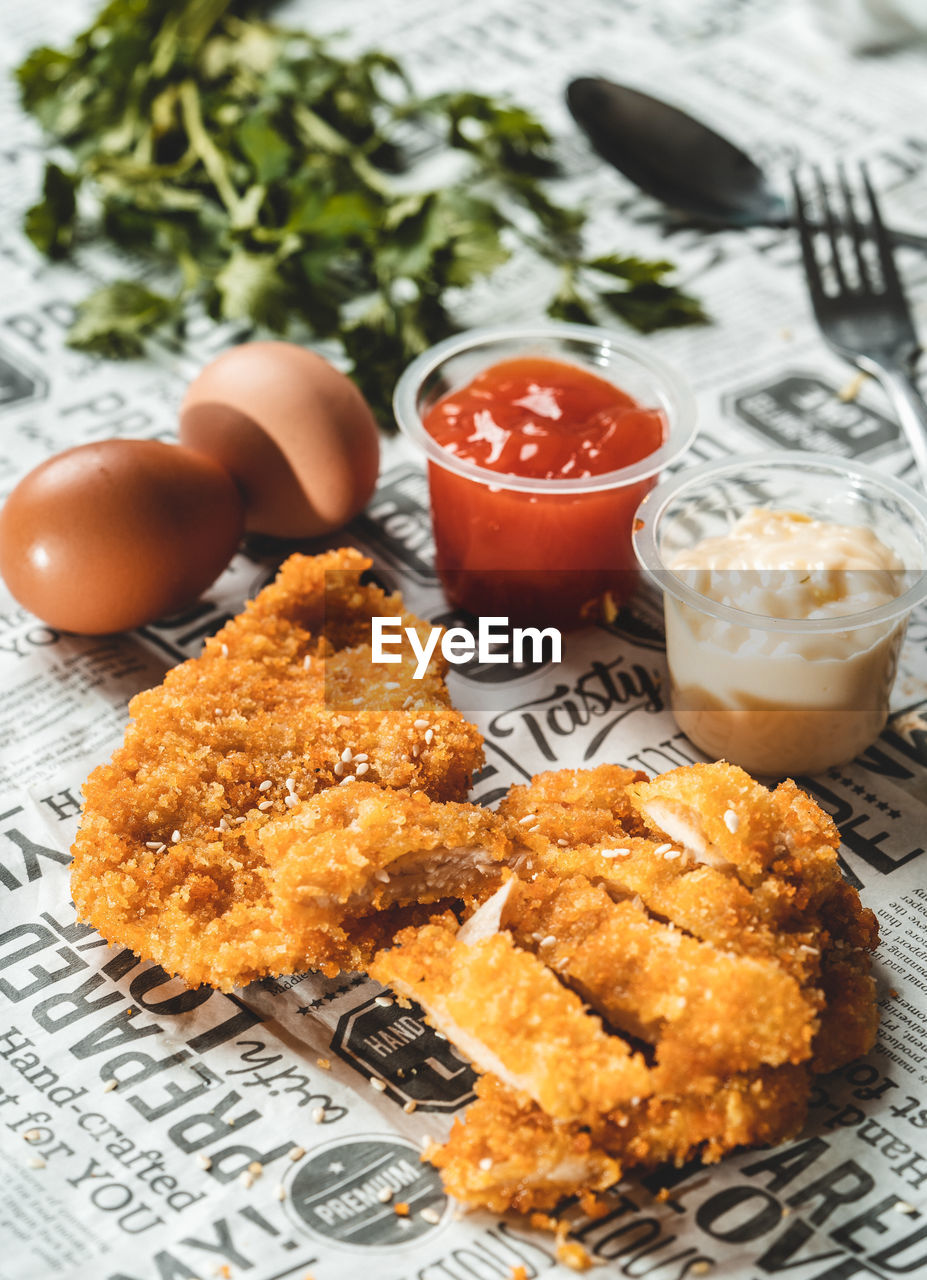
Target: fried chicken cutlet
283 703
705 920
651 981
507 1011
506 1153
356 849
694 871
749 870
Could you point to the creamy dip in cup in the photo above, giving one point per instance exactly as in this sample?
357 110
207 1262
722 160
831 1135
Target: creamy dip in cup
787 581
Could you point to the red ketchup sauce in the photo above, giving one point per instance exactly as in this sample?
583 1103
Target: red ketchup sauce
538 557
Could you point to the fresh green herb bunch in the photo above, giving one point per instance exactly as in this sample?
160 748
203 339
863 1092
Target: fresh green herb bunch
280 179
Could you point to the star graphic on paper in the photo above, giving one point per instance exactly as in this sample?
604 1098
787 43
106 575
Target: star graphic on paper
870 797
336 1167
880 804
894 813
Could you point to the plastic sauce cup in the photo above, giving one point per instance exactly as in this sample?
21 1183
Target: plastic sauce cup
538 551
780 695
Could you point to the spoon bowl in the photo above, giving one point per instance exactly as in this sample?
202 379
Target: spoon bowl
681 161
674 157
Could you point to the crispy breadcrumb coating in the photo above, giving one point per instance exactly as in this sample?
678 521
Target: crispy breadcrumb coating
505 1009
664 964
283 702
588 803
792 862
707 1012
506 1153
706 920
358 848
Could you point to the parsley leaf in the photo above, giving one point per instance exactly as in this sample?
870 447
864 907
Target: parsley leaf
280 184
113 320
50 223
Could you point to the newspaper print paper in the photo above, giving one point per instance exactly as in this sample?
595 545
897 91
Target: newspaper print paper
148 1179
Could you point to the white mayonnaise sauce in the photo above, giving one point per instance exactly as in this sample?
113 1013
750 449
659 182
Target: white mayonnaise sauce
784 701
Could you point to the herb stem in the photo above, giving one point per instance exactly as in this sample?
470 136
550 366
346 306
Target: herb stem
205 148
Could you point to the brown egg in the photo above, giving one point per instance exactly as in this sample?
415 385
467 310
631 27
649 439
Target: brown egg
295 433
108 536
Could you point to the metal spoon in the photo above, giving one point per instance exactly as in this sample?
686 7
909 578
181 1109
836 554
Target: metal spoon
681 161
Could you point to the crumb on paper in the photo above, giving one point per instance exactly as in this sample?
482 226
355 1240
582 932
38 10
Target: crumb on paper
573 1255
35 1162
850 390
701 1268
324 1063
401 1209
296 1153
592 1206
518 1273
543 1222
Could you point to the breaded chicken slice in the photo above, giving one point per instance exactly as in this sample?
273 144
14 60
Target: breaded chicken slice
721 830
284 702
709 904
791 863
358 848
850 1019
717 813
505 1153
707 1012
507 1012
798 912
726 820
588 803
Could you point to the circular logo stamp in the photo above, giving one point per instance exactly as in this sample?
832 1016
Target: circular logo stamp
340 1193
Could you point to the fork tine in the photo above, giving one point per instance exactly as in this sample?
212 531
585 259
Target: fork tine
832 227
806 237
886 257
856 229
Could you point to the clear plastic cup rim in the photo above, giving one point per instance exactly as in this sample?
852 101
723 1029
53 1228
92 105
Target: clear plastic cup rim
675 397
653 506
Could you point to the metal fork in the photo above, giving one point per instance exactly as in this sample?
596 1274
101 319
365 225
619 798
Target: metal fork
858 300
